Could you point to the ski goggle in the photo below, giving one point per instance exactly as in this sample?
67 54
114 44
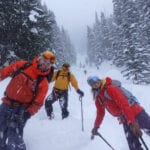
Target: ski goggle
49 55
92 80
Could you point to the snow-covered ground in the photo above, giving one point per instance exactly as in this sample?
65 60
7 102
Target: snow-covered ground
43 134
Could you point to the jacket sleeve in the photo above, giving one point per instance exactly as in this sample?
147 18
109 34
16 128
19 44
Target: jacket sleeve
100 112
73 81
122 102
54 76
39 98
11 69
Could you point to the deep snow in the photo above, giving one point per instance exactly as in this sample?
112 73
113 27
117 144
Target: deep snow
41 133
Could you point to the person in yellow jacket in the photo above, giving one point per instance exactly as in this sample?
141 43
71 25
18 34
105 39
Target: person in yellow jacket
62 79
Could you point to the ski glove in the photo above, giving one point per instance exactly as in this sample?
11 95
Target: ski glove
81 93
94 131
135 128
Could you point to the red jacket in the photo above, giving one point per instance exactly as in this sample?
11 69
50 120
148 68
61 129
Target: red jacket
117 106
21 88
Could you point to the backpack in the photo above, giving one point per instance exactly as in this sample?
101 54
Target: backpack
131 98
58 74
40 77
34 86
48 76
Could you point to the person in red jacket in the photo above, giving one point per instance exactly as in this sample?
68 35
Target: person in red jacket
133 117
24 96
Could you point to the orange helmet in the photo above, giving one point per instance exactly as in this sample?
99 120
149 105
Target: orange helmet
49 55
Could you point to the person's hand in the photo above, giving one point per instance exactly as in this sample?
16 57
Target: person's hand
94 132
81 93
136 129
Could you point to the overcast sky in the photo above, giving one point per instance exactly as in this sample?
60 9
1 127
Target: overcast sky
75 15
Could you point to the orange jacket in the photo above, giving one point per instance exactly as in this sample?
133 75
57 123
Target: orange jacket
117 106
22 88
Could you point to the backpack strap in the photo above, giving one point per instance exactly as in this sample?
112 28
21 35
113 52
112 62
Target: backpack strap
69 76
58 74
106 94
50 75
26 65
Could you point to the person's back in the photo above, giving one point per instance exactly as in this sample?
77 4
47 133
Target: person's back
119 103
63 78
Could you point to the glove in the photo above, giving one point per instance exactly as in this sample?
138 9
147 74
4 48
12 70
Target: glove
136 129
80 92
94 131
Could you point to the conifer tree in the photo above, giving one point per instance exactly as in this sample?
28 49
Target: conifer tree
90 45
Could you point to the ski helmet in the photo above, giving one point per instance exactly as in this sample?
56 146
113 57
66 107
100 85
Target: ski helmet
92 79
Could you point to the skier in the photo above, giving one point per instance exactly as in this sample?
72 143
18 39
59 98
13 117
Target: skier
24 95
133 117
85 71
62 79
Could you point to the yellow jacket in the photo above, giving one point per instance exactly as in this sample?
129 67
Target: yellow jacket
62 82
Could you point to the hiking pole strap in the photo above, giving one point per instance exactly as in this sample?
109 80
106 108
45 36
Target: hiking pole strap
80 98
144 143
105 141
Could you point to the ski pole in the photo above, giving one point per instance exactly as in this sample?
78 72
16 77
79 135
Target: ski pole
146 147
105 141
80 98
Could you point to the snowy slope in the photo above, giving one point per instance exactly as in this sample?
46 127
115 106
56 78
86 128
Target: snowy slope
43 134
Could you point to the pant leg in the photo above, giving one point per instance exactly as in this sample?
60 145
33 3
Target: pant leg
49 103
15 139
15 128
133 141
63 101
144 121
3 126
11 129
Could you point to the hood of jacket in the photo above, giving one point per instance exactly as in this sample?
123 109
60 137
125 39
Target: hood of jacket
105 82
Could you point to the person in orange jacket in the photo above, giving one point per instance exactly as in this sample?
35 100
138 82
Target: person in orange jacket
62 79
133 117
24 96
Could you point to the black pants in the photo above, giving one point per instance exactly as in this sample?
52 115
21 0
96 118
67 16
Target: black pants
144 122
62 97
11 128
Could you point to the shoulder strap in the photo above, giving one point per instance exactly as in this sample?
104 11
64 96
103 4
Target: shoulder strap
58 72
26 65
106 94
49 76
69 76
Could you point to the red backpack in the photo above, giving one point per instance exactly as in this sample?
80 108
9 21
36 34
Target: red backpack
22 88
